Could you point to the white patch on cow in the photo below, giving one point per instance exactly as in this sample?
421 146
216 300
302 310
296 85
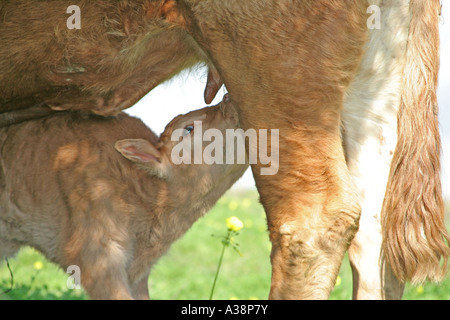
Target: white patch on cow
370 133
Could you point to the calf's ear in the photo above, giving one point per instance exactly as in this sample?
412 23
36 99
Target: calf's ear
138 150
144 153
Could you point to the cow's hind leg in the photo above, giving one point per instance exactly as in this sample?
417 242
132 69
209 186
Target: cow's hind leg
369 164
372 279
370 137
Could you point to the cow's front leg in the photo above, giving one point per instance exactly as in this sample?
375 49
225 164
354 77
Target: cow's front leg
312 212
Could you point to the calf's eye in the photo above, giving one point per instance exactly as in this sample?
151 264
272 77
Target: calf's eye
187 130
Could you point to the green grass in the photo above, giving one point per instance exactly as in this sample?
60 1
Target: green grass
187 271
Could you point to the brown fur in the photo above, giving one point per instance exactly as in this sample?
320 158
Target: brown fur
284 78
122 51
66 191
286 66
415 238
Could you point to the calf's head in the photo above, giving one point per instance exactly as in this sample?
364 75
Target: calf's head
196 150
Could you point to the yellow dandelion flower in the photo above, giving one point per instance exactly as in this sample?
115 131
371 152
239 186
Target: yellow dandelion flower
338 281
234 224
38 265
420 289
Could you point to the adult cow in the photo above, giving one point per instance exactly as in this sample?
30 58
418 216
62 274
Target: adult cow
303 67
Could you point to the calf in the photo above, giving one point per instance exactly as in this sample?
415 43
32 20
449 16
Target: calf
104 195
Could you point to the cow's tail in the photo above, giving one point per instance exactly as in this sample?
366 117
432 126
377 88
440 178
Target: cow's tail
416 242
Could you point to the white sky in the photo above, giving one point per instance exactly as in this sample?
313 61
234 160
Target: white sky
185 93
